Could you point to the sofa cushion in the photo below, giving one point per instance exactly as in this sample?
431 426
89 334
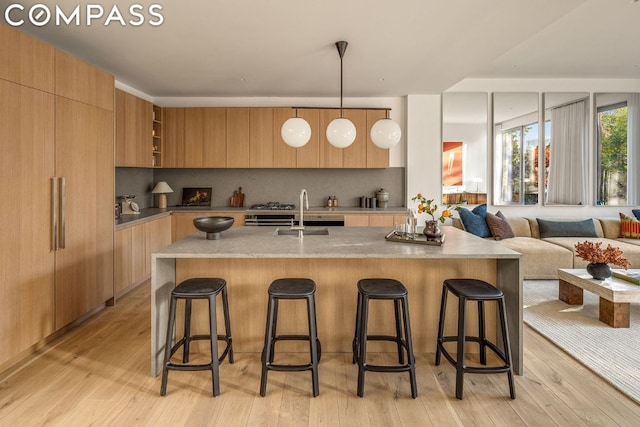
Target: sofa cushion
520 226
629 227
566 228
475 221
535 230
610 227
540 260
499 226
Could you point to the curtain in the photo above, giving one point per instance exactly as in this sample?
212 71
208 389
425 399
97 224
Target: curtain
633 149
568 182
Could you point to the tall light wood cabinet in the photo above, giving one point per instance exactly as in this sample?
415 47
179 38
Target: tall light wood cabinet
57 163
84 159
193 137
308 156
355 155
27 261
330 156
214 132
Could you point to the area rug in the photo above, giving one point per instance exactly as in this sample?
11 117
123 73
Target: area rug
612 353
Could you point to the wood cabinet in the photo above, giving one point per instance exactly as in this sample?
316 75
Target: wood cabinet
26 60
84 159
241 137
182 222
373 220
214 132
27 118
135 129
57 163
238 142
261 137
133 249
173 138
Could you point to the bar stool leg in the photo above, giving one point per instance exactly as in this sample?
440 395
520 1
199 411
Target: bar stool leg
481 333
213 328
267 351
396 309
356 336
227 323
168 345
362 353
409 342
443 307
461 341
507 347
187 331
313 344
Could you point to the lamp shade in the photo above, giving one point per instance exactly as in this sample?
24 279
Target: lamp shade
341 132
296 132
385 133
162 187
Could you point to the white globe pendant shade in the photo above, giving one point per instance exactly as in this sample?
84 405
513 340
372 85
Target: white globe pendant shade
385 133
341 132
296 132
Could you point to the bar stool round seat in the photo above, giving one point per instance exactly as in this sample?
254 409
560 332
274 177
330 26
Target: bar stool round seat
479 291
188 290
384 289
290 288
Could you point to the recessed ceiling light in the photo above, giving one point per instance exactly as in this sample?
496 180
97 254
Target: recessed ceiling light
381 79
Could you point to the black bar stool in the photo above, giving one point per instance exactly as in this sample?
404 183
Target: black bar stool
190 289
384 289
480 291
290 288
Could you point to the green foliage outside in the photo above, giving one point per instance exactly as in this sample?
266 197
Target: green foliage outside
612 180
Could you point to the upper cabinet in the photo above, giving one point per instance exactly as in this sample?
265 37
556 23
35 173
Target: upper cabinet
243 137
26 60
136 130
80 81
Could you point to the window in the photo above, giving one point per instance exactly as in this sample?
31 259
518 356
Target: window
612 149
519 159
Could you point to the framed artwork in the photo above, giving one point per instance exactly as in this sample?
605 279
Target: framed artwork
451 163
192 196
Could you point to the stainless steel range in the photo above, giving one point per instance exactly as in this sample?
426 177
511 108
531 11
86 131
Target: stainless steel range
279 214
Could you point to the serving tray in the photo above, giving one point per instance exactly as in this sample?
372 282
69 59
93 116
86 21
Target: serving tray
420 239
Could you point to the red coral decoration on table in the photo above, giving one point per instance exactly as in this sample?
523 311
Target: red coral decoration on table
593 252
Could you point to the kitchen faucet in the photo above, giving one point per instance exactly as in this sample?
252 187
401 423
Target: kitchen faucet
304 200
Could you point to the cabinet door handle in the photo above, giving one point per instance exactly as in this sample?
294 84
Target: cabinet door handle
54 213
63 207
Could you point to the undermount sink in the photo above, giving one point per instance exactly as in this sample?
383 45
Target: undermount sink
213 225
305 232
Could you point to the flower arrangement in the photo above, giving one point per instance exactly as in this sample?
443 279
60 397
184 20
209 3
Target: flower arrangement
593 252
429 206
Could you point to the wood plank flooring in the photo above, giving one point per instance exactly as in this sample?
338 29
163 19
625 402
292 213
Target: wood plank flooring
98 374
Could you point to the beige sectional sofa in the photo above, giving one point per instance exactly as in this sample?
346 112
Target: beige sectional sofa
542 257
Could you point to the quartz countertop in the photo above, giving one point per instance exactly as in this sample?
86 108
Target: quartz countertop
342 242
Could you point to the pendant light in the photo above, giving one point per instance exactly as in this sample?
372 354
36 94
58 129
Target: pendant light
385 133
341 132
296 131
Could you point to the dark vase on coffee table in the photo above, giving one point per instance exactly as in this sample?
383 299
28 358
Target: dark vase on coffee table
599 270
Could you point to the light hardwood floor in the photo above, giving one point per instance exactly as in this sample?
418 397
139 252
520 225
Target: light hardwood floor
98 374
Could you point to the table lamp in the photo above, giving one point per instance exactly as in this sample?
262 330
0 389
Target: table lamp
162 188
477 180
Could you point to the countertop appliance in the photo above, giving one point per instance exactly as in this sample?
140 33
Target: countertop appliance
129 207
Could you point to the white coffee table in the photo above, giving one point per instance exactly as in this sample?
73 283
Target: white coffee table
615 294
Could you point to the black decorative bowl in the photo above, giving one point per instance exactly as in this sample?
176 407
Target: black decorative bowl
213 225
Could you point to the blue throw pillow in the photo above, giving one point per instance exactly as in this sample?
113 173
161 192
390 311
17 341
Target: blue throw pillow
475 221
636 213
566 228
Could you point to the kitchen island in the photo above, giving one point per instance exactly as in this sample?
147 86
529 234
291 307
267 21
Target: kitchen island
250 258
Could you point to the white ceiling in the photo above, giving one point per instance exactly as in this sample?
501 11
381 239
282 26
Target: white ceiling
286 48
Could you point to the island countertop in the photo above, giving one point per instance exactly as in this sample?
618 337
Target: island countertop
250 258
342 242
